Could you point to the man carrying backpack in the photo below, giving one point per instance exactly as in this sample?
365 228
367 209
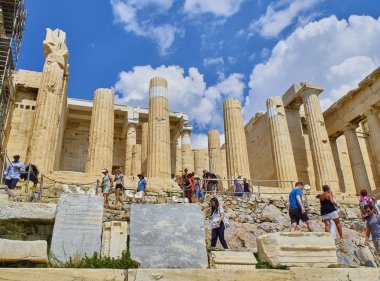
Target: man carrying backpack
373 227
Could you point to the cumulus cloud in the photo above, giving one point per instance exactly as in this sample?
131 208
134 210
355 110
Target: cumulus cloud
325 52
223 8
281 14
188 92
127 12
199 141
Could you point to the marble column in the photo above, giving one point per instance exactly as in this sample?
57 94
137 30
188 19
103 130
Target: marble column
338 165
186 150
319 141
42 147
178 158
144 147
359 170
236 146
158 130
130 141
373 121
214 152
201 161
100 147
136 160
285 166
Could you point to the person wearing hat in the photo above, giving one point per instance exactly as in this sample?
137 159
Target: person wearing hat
141 186
106 186
14 171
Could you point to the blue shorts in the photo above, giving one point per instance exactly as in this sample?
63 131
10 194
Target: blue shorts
11 183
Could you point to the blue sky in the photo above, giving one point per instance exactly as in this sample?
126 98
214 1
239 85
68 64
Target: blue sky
209 50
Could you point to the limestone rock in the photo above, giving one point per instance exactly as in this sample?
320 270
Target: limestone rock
24 211
336 274
114 238
235 260
168 236
15 251
315 249
353 253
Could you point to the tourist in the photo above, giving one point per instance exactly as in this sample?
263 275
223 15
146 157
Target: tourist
373 227
183 178
365 200
197 185
217 224
106 186
13 172
209 181
239 187
247 191
141 186
297 210
119 181
329 211
188 188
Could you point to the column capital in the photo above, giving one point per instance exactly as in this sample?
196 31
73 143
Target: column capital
371 111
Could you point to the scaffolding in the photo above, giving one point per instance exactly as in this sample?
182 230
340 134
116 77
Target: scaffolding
12 22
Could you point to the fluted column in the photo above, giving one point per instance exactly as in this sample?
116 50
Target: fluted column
201 161
373 121
236 146
186 150
130 141
338 165
285 166
214 152
319 142
42 148
158 130
144 147
136 160
359 170
178 158
100 147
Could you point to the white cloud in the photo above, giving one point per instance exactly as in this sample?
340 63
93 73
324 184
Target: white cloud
213 61
187 92
224 8
199 141
280 15
127 13
327 53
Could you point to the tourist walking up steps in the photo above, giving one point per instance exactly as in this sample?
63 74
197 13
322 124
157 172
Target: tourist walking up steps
106 185
119 181
141 186
329 211
217 225
297 210
373 227
14 171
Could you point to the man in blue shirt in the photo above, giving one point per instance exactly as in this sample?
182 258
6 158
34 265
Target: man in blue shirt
13 172
297 211
142 183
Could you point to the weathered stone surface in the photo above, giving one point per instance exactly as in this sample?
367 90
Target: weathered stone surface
23 211
336 274
62 274
353 253
168 236
315 249
16 250
114 238
78 226
208 275
233 260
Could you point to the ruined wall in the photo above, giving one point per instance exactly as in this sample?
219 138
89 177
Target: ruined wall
260 154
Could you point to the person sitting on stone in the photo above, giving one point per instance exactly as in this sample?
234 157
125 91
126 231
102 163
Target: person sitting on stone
329 211
217 225
14 171
106 186
141 186
372 227
119 181
297 211
238 187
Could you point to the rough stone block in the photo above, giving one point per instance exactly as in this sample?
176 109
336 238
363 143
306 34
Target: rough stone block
114 239
24 211
305 249
336 274
168 236
16 250
235 260
78 226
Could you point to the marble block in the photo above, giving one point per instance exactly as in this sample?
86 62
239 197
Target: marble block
168 236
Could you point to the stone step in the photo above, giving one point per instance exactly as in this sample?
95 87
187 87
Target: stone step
236 260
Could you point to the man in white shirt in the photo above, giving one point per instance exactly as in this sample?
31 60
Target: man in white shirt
13 171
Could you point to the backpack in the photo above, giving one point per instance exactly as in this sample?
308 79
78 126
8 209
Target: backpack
213 176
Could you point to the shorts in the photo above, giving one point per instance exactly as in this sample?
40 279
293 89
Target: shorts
330 216
119 185
11 183
296 215
106 190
